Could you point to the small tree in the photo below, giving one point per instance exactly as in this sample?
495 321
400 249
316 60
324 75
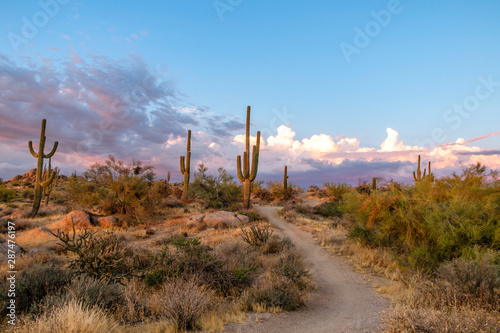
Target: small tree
217 191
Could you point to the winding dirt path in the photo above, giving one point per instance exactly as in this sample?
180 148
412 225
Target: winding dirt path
343 301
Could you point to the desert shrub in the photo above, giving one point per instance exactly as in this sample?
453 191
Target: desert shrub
255 235
406 319
28 193
430 222
219 191
117 188
328 209
92 292
273 291
276 244
102 257
190 259
6 194
185 302
263 194
33 284
336 190
71 317
277 189
291 266
463 296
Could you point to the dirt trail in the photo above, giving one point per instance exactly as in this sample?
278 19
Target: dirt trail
343 301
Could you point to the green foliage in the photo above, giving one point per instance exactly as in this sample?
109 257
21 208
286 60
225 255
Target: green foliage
328 209
117 188
336 190
277 189
190 259
104 257
256 236
430 222
219 191
6 194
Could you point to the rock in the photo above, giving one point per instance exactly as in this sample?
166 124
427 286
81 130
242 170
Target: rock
4 251
32 173
15 178
223 219
243 218
108 222
196 218
81 219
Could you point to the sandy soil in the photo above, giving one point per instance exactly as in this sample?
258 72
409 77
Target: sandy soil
343 301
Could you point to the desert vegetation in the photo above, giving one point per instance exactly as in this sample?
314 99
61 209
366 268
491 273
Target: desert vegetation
437 240
119 247
161 265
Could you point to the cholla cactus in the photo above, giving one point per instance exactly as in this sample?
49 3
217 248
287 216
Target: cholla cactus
39 184
247 174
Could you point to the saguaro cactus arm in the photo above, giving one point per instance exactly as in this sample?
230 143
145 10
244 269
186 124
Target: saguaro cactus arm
32 151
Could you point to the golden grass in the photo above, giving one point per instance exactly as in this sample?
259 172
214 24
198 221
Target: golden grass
72 317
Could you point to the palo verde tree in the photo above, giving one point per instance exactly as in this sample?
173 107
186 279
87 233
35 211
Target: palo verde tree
247 174
39 183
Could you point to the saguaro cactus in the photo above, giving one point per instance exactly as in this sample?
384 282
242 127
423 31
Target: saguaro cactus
39 184
48 189
247 174
285 182
374 184
418 176
186 166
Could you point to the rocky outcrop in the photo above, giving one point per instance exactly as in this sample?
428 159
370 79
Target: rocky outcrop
219 220
83 219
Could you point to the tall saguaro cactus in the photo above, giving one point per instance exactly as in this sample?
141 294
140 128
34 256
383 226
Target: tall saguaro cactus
39 183
247 174
418 176
285 182
186 165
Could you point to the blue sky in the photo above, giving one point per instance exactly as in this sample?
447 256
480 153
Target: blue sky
286 59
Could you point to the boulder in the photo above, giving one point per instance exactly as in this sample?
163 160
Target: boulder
81 219
196 218
4 251
224 219
108 221
32 173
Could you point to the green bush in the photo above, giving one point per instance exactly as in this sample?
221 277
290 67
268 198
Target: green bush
190 259
430 222
6 194
336 190
277 189
219 191
117 188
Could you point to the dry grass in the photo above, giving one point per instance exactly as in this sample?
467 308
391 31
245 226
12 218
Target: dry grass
72 317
